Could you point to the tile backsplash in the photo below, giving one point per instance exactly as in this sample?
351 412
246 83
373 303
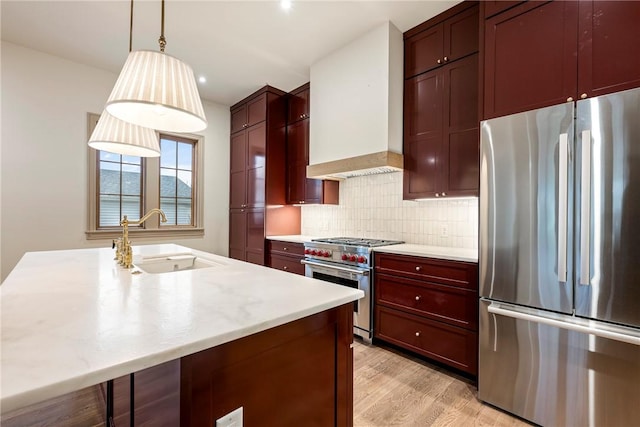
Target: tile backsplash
372 206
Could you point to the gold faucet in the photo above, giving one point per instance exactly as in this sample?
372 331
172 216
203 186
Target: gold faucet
123 245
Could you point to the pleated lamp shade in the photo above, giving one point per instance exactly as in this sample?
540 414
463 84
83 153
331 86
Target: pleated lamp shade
120 137
157 91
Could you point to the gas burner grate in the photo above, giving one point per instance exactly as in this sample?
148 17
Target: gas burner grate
357 241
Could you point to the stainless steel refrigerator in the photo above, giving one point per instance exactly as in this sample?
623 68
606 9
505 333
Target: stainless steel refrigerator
560 263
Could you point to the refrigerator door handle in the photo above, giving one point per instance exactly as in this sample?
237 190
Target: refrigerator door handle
617 333
563 165
585 208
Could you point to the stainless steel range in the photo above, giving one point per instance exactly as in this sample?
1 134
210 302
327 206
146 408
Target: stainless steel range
347 261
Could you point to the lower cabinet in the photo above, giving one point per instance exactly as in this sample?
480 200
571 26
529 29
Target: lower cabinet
428 306
286 256
246 237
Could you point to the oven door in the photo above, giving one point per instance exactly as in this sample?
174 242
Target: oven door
353 277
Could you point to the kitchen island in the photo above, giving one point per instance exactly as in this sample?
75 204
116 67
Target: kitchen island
244 334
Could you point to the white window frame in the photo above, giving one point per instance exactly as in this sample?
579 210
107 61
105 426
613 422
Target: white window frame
151 194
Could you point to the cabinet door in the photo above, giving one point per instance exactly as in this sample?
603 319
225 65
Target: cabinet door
423 51
238 118
238 170
298 105
461 35
237 234
609 53
530 57
459 159
255 236
257 110
256 160
423 111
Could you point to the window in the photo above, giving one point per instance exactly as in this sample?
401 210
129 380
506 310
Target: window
128 185
176 179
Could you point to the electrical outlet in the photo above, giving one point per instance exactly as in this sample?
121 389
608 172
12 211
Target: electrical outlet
232 419
444 230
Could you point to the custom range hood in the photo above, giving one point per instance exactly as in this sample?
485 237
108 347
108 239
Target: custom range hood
356 107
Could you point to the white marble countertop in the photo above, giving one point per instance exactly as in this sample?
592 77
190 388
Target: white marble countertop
73 318
440 252
297 238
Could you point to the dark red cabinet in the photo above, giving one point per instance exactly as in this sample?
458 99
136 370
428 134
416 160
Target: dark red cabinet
437 42
544 53
299 104
530 57
249 113
300 189
441 120
286 256
257 174
428 306
608 46
441 132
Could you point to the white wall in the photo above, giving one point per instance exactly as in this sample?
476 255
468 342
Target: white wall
45 100
356 98
372 206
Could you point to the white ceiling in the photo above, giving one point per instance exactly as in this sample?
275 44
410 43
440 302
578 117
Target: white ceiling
239 46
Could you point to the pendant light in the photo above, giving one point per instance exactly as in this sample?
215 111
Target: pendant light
158 91
120 137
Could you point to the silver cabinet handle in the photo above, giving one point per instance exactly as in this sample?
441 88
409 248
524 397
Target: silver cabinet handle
563 167
444 194
418 333
437 194
617 333
583 96
285 268
334 268
570 99
585 208
285 248
417 297
439 61
418 268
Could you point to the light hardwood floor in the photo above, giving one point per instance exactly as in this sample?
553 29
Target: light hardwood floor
392 389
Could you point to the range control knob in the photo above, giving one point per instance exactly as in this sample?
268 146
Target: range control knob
307 251
352 258
344 257
314 252
362 259
327 254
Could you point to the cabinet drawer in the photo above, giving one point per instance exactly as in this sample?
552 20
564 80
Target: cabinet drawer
286 247
286 263
458 307
453 346
452 273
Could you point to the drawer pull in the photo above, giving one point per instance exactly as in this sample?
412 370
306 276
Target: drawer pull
418 297
418 268
285 268
285 248
418 333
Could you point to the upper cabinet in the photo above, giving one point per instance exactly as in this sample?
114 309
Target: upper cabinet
543 53
249 113
608 47
299 104
431 45
300 189
441 121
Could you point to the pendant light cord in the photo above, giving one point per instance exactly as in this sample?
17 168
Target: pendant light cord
162 41
131 28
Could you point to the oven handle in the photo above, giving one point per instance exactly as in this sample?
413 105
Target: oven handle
335 267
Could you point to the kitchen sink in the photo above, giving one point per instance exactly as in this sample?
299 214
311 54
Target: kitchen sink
170 263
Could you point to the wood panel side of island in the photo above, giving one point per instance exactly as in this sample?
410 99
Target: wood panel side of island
300 373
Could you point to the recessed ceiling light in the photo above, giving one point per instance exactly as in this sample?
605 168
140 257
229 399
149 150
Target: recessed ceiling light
202 79
285 4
